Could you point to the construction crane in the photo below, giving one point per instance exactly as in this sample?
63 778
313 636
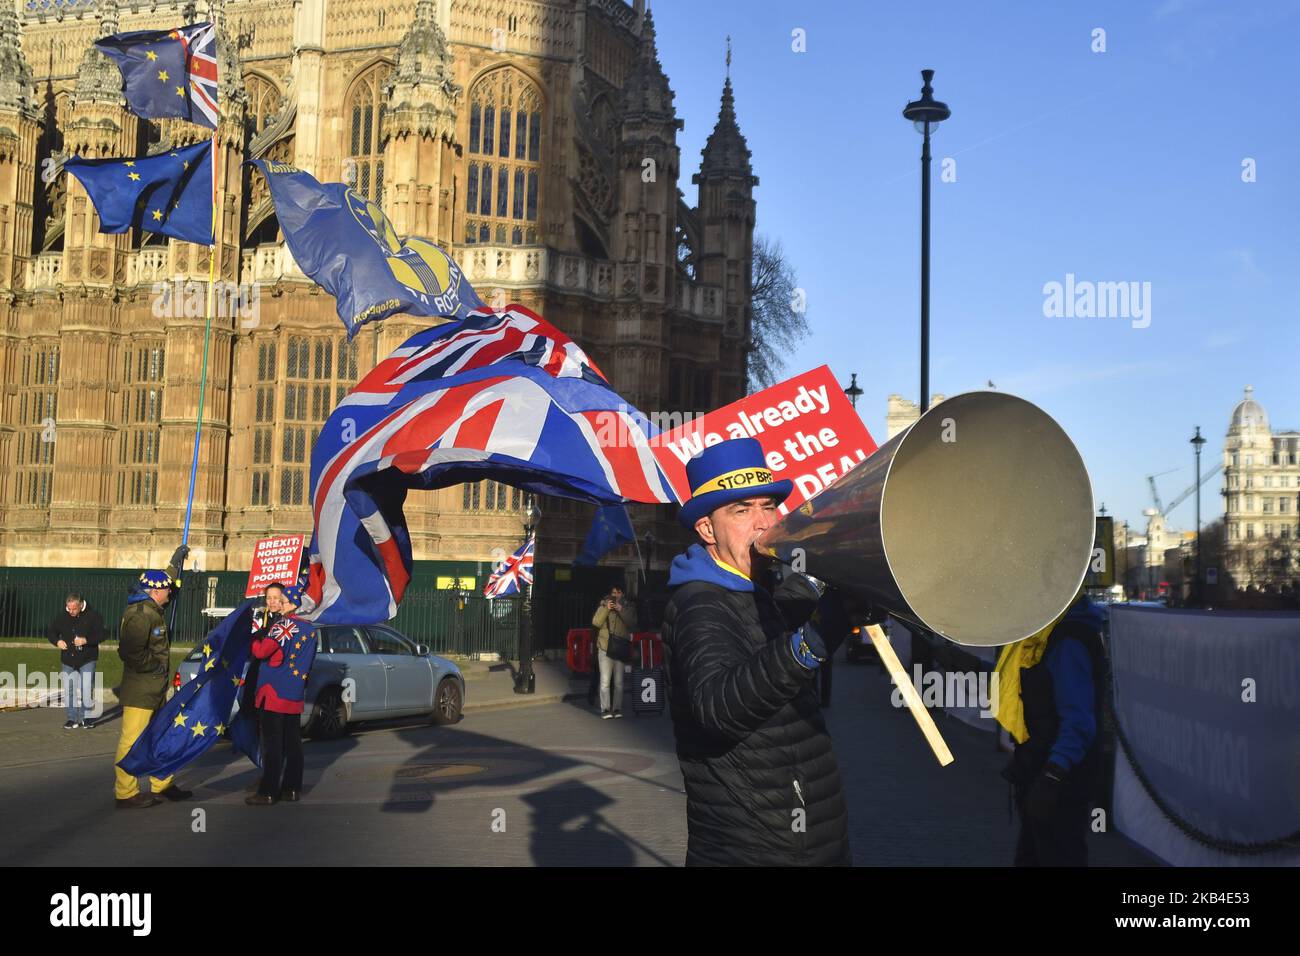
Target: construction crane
1155 495
1160 507
1188 492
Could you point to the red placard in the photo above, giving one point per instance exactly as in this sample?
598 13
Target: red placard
275 560
809 431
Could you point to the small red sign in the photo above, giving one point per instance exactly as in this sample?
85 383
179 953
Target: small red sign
275 561
809 431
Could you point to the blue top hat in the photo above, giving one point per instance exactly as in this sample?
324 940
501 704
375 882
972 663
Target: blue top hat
726 472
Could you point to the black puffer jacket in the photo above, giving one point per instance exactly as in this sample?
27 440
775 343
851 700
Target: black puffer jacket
751 740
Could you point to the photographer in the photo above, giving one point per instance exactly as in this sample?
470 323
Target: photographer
77 631
613 616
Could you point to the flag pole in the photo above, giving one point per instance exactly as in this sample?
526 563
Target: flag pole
207 335
640 560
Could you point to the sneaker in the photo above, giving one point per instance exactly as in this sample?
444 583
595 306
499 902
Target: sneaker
70 725
606 715
618 713
85 725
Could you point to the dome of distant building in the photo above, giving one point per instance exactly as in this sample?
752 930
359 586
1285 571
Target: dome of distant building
1249 414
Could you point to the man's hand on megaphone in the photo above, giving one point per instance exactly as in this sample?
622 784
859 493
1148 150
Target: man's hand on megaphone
808 647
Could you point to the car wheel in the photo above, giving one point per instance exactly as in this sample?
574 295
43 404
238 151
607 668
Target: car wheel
446 702
330 717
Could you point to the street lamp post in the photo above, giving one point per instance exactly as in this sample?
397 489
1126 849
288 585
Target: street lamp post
1197 441
525 679
924 113
853 390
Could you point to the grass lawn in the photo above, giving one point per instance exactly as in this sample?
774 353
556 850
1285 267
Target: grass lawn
46 661
103 648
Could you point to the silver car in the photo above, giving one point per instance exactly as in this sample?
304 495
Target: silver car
367 673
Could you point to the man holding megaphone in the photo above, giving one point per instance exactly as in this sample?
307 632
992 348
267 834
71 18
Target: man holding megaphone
762 782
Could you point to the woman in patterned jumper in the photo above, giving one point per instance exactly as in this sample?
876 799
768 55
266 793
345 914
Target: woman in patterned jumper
286 653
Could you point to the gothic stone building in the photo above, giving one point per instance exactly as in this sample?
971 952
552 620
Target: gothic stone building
536 140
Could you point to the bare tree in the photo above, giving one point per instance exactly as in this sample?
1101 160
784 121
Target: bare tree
780 320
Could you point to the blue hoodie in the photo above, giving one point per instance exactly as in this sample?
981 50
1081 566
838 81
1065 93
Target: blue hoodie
1070 666
697 565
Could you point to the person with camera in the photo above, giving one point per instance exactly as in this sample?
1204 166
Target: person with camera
76 631
762 782
144 645
614 617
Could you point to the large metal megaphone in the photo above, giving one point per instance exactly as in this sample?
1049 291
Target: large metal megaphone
975 523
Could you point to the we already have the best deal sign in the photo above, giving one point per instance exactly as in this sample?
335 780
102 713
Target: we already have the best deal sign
809 432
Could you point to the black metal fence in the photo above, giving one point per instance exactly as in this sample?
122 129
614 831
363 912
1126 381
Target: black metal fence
449 621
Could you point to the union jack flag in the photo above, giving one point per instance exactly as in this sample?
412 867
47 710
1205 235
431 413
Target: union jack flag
512 574
500 395
168 72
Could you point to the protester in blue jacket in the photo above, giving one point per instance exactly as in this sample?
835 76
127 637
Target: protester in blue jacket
1056 773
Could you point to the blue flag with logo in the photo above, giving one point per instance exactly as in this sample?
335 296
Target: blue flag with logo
170 193
197 715
168 72
610 528
346 244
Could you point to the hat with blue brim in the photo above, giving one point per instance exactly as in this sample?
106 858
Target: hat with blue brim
726 472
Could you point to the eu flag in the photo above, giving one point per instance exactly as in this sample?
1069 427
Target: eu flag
194 719
610 528
346 244
168 72
169 193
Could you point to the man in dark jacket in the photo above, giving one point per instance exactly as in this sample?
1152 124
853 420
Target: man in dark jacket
76 631
1056 772
762 783
145 648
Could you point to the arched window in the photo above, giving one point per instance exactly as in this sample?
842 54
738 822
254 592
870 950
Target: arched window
263 101
364 170
503 178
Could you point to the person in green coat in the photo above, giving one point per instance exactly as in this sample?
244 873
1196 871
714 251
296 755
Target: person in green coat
145 648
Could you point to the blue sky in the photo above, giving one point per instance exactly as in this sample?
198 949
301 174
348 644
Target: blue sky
1117 166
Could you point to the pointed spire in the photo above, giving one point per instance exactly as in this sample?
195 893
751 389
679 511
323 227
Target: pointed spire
15 73
231 95
422 55
422 95
726 153
98 78
646 93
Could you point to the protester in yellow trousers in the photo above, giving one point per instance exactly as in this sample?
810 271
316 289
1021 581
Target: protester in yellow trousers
145 648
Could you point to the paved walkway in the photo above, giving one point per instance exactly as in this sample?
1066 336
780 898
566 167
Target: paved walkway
518 781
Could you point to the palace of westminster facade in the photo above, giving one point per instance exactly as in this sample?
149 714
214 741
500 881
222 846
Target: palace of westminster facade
517 134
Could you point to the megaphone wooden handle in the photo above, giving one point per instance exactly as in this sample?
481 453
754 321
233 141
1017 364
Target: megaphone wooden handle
914 704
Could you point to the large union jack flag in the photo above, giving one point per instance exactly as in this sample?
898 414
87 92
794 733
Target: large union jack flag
168 72
513 573
500 395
